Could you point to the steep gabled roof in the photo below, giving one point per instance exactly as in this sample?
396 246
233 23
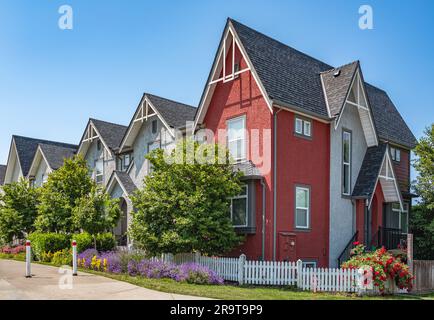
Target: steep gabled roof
337 82
26 149
111 133
2 174
124 180
388 121
171 113
175 113
288 75
292 78
369 171
56 155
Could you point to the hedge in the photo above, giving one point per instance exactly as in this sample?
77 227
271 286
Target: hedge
53 242
48 242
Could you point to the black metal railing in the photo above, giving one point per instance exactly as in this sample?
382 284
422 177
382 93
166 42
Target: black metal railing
391 238
345 255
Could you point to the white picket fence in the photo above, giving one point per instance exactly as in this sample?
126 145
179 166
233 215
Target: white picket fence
329 279
273 272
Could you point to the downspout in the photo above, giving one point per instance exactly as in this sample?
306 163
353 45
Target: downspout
263 219
275 182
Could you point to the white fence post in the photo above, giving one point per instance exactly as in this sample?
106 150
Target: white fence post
74 257
197 257
241 262
299 275
28 259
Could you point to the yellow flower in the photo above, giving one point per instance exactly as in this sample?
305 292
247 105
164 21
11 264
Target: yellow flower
105 264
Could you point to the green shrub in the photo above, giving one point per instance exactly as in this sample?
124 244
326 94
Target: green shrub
62 257
84 241
46 242
105 241
46 256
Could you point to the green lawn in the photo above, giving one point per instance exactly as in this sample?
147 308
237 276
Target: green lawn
234 292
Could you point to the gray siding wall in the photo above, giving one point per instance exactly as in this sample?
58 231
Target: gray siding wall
342 212
94 154
42 170
16 172
140 148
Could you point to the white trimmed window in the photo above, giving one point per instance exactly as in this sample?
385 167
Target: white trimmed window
239 208
396 154
44 178
400 219
309 264
302 207
303 127
236 138
346 163
99 171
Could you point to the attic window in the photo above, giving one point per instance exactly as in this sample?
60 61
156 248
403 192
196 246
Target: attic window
98 145
154 126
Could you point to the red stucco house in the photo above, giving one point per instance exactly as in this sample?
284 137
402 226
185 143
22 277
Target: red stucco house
325 155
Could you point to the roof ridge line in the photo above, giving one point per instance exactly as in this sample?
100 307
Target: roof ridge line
171 100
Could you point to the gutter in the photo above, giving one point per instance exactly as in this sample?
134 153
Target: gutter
275 182
263 219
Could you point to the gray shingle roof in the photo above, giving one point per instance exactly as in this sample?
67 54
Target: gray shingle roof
126 181
369 171
293 78
388 122
174 113
248 168
56 155
111 133
288 75
2 174
26 149
337 87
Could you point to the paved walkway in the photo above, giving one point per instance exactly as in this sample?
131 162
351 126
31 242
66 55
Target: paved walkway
48 284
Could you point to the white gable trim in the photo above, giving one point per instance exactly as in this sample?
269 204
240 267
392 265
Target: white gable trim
13 155
364 112
217 68
115 179
389 177
35 164
141 115
91 133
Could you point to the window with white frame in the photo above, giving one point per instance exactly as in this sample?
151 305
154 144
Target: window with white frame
154 126
239 208
236 138
302 207
309 264
400 217
346 163
44 178
396 154
99 171
303 127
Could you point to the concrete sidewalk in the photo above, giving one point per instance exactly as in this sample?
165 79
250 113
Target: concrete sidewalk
48 284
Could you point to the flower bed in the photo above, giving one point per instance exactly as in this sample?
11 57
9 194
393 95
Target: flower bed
385 267
116 262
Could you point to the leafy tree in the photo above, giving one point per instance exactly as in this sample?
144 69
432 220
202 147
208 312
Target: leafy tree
424 164
59 195
422 215
184 205
18 210
96 213
422 227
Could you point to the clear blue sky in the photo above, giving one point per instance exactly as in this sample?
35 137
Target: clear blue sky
52 80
